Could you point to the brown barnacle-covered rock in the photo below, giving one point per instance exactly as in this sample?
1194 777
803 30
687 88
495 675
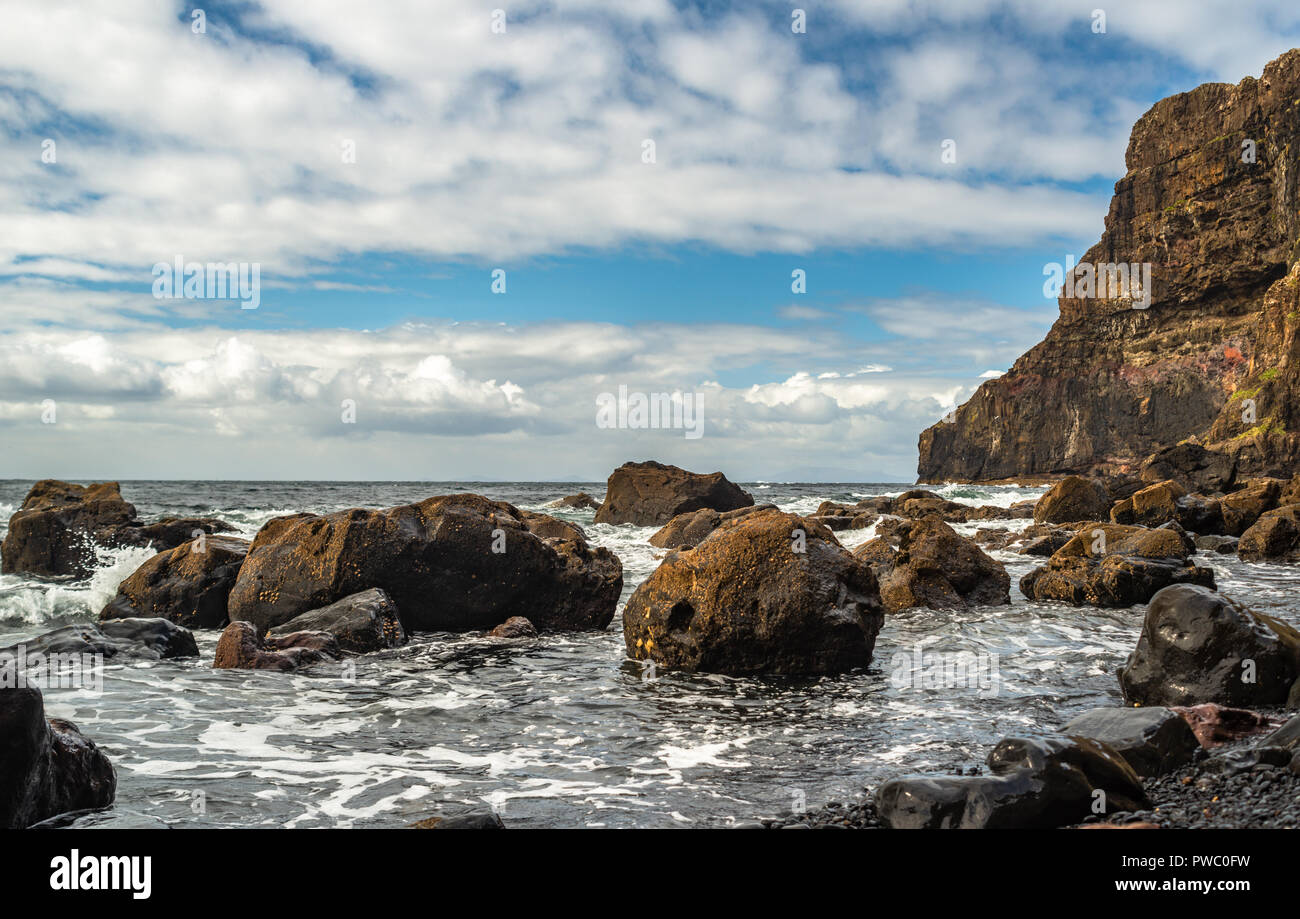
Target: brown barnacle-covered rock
242 648
766 593
514 627
451 563
934 567
1274 537
1072 499
689 528
580 501
1110 565
59 525
1150 507
651 494
187 585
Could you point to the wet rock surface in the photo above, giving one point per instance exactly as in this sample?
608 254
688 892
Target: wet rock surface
188 585
363 622
768 592
651 494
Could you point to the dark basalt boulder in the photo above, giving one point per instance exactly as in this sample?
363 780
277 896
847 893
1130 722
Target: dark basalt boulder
55 532
766 593
1037 783
1274 537
934 567
1153 740
1071 499
651 494
122 639
452 563
188 585
363 622
581 501
242 648
47 768
1199 646
688 529
1110 565
514 627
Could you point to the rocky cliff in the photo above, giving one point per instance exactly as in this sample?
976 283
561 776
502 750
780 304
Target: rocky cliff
1210 202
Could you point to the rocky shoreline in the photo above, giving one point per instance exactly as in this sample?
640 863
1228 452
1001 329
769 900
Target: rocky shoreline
751 590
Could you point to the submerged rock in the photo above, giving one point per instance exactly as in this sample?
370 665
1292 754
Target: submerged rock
514 627
47 767
242 648
581 500
934 567
454 563
188 585
467 820
768 593
366 621
651 494
1199 646
1037 783
125 639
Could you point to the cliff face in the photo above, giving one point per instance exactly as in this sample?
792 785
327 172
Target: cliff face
1111 383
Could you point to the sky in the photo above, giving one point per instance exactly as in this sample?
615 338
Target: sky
825 223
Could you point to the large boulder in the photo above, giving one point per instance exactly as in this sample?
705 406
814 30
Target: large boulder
1071 499
241 647
188 585
451 563
651 494
1116 566
1274 537
148 639
766 593
56 531
1150 507
367 621
1037 783
47 767
1153 740
1199 646
934 567
1241 509
689 528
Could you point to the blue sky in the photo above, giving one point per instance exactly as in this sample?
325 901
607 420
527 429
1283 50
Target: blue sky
131 139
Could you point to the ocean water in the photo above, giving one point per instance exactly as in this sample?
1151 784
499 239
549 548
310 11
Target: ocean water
564 732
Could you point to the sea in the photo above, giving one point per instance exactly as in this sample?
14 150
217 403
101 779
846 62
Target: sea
566 731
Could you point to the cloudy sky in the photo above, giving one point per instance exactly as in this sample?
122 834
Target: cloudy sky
645 179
